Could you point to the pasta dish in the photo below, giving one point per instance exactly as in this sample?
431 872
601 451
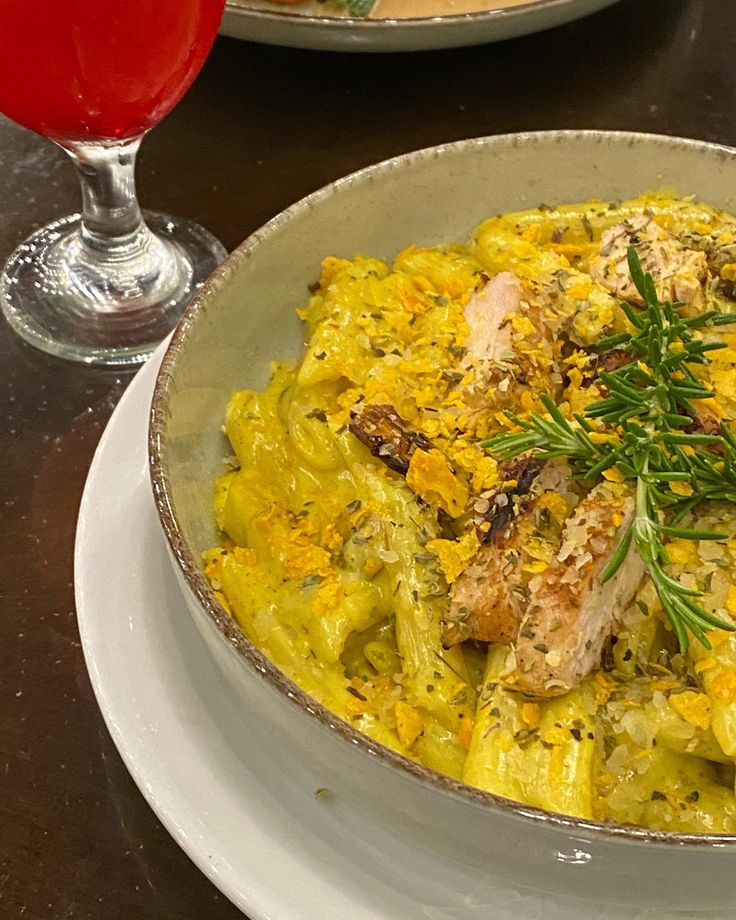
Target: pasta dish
488 516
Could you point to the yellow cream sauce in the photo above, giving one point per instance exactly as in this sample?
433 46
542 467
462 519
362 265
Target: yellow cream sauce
339 568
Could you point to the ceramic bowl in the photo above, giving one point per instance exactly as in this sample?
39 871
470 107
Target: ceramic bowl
244 317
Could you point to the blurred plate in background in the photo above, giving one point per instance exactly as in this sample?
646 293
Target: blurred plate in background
299 26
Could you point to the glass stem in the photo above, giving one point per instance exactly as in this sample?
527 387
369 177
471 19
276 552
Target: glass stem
111 217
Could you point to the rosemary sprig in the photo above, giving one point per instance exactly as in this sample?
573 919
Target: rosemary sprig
640 431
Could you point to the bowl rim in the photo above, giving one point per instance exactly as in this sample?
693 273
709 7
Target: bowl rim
187 561
306 20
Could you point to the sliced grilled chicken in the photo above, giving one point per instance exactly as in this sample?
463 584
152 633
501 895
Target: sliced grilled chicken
706 421
678 272
488 598
486 601
512 324
495 513
612 360
489 336
570 613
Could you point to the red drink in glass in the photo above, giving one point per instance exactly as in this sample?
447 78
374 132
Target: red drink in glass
104 286
75 69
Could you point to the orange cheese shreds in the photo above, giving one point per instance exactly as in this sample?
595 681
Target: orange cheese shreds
581 290
409 723
245 555
454 555
466 732
683 552
331 266
556 735
693 707
723 686
731 599
705 664
522 324
328 596
223 603
302 560
531 715
604 687
355 707
430 476
728 272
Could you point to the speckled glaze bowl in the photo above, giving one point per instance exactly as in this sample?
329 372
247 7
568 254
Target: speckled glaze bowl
242 318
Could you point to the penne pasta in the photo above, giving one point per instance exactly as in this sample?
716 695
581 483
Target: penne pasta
404 537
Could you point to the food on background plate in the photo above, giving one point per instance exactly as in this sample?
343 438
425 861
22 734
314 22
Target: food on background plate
331 7
395 9
488 516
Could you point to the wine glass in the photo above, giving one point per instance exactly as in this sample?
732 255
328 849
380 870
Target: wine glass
104 286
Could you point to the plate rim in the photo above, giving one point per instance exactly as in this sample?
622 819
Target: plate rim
179 829
240 8
255 897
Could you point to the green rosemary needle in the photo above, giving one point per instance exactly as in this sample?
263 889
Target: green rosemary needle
645 414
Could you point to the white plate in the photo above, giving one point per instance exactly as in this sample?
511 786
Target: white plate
262 21
221 783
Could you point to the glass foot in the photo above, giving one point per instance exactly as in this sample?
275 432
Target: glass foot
70 294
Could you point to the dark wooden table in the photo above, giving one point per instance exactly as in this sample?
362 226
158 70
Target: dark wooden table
261 128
